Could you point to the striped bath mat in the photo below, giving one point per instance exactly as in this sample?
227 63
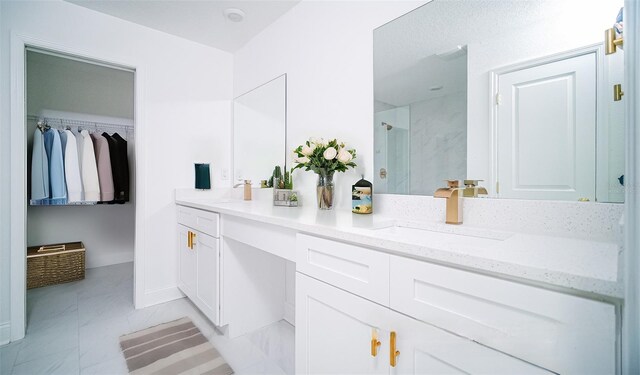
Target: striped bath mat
175 347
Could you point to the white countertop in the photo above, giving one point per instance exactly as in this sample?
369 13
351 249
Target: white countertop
583 266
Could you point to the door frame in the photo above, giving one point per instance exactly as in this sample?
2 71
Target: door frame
494 76
18 192
631 253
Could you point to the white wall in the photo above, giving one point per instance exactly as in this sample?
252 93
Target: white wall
186 92
326 49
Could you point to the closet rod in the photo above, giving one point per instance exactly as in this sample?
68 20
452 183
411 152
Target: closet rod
52 121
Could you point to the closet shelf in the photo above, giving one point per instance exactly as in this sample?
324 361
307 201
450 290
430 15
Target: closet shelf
54 121
53 202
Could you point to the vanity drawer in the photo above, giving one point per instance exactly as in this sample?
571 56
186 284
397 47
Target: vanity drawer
355 269
273 239
200 220
559 332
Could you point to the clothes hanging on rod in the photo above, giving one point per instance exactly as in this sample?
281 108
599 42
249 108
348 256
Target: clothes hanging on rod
39 168
119 166
72 169
103 162
88 167
82 168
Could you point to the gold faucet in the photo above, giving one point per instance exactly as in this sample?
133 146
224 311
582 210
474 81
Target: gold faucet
454 202
471 189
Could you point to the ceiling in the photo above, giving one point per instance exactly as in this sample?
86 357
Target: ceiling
201 21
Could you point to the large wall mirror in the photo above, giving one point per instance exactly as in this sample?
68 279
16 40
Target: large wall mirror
259 131
518 94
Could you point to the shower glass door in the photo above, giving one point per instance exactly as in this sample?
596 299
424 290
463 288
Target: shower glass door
391 142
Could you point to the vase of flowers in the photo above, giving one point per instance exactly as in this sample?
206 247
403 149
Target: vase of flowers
324 158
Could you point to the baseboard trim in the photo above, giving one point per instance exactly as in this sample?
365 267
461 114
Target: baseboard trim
159 296
5 333
290 313
108 259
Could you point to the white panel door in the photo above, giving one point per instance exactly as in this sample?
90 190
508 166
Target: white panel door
425 349
546 130
186 263
334 329
208 294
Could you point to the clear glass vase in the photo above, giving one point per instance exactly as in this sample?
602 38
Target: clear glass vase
325 190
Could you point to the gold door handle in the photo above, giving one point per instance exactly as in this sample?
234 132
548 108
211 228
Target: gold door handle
393 353
617 92
375 343
193 236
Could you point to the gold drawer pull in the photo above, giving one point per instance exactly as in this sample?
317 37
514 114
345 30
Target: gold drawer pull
375 343
393 353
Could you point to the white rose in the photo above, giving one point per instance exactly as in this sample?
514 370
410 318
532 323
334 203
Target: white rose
323 142
308 150
302 160
344 156
330 153
313 140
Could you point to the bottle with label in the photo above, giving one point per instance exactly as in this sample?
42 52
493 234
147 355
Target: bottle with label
362 197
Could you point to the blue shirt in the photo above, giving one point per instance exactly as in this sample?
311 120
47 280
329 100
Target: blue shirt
53 148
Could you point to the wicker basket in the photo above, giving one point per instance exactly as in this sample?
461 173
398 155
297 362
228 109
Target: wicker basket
55 264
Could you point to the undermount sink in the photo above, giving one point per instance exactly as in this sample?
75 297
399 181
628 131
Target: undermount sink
425 231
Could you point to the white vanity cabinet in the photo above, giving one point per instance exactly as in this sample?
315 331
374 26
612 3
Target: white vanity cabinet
339 332
445 320
199 265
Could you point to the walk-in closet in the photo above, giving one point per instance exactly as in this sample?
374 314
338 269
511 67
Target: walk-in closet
80 165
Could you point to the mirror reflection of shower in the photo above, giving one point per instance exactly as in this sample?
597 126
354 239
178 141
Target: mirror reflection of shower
392 151
420 122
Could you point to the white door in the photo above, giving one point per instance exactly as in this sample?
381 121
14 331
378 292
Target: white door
546 119
208 265
425 349
186 263
334 330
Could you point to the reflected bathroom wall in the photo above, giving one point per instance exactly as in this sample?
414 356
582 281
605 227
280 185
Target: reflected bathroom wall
392 149
438 141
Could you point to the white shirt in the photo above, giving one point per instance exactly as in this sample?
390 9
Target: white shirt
88 168
72 169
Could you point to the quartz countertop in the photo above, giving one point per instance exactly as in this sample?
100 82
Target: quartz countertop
582 266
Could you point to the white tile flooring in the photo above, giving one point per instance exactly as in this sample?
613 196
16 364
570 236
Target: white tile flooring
73 328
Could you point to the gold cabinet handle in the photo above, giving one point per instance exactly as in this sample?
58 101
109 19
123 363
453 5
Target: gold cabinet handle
375 343
189 239
193 236
393 353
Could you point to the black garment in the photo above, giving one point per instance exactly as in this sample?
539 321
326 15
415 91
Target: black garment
119 166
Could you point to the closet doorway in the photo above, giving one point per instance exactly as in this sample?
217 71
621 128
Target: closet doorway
90 108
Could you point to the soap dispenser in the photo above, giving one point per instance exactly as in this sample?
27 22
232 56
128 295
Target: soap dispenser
247 190
362 197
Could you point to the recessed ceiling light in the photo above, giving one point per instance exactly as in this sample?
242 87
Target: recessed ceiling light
234 15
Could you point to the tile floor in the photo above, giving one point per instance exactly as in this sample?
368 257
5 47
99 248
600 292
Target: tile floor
73 328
